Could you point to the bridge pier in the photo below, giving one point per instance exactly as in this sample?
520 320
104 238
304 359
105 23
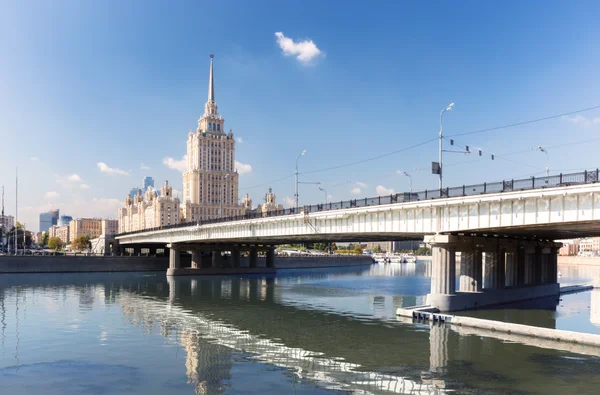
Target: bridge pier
512 271
470 271
253 257
207 259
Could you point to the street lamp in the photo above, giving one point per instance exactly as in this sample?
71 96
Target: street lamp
324 191
542 149
407 175
296 194
448 108
221 196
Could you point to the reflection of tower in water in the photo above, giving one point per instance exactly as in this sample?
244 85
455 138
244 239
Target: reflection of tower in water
595 307
207 365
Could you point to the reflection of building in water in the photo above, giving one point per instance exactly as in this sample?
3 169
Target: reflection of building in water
207 365
595 307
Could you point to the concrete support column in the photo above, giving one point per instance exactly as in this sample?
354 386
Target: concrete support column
216 259
137 250
235 257
196 264
511 269
492 268
443 271
271 258
544 266
537 266
521 258
501 268
151 250
253 257
174 257
553 262
529 267
470 271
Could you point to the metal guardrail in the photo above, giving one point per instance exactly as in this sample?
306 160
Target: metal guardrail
558 180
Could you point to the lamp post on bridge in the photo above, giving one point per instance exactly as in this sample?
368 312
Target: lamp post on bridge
296 194
542 149
407 175
324 191
448 108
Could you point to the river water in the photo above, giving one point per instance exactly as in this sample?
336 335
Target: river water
322 331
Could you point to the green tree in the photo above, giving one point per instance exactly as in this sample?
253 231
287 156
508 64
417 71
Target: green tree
358 249
319 246
423 251
45 237
81 243
55 243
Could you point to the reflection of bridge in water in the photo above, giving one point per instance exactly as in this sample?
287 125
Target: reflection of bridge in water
215 318
206 338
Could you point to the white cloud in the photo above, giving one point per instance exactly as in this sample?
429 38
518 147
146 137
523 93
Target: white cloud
355 191
179 165
70 181
329 197
381 191
582 120
243 168
239 140
289 201
52 195
109 170
361 184
304 51
84 186
144 167
34 158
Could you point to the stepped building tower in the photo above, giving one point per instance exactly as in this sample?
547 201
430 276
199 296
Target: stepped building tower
210 183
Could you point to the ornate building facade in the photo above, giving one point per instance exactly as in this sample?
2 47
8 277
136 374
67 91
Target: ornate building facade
149 210
270 204
210 183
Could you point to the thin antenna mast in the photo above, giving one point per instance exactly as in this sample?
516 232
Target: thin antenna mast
16 209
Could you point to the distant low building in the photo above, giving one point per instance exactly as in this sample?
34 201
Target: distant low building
109 227
62 232
7 222
90 227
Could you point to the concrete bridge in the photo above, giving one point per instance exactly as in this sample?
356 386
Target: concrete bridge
505 238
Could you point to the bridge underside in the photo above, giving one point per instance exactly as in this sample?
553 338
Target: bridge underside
552 231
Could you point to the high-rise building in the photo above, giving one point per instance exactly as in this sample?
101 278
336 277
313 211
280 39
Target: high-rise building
48 219
134 192
148 182
210 182
64 220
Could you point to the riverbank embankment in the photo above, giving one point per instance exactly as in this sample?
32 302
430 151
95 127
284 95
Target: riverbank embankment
84 264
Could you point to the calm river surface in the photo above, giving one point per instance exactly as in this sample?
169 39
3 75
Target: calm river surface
325 331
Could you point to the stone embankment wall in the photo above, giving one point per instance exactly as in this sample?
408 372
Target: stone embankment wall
73 264
82 264
578 260
301 262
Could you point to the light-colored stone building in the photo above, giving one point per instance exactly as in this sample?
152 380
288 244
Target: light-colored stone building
247 204
270 204
149 210
210 182
7 222
62 232
90 227
109 227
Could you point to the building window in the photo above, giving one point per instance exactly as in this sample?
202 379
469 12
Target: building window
219 127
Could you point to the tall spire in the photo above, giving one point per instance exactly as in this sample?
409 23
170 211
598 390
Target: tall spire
211 85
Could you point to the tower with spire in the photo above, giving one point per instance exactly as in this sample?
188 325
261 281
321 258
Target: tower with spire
210 182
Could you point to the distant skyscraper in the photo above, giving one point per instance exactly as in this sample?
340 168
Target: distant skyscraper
148 182
48 219
133 192
64 220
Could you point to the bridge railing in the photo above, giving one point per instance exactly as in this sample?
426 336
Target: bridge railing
557 180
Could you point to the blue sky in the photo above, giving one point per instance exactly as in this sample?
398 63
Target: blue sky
122 83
